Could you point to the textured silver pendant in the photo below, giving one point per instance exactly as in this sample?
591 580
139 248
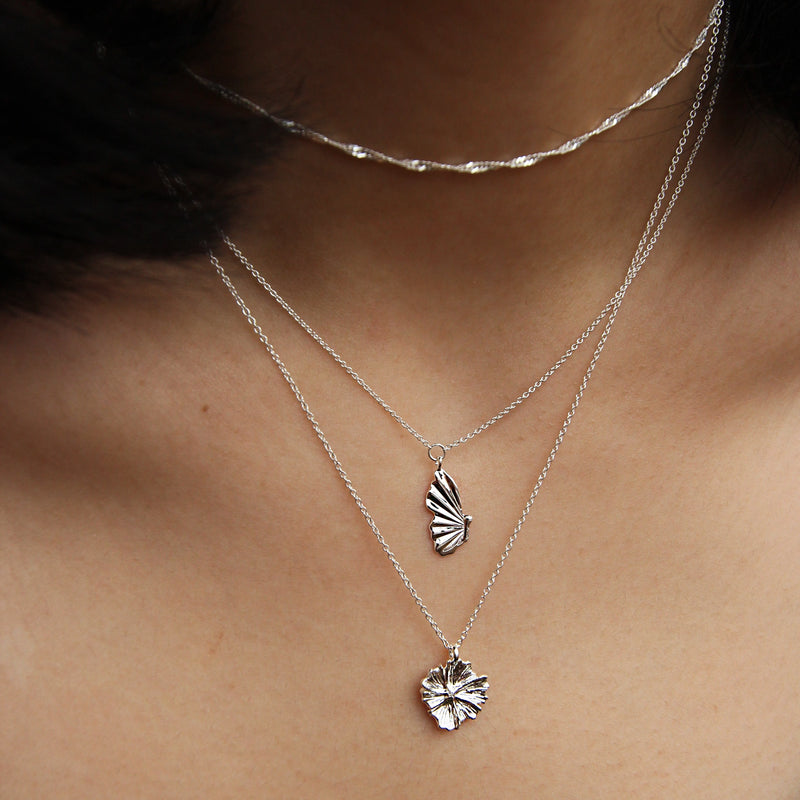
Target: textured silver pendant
450 526
454 693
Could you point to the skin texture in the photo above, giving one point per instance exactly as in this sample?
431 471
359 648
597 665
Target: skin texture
190 603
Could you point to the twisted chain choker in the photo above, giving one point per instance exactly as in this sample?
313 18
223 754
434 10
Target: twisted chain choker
476 167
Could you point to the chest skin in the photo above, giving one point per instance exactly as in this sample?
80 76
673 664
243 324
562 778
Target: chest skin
188 611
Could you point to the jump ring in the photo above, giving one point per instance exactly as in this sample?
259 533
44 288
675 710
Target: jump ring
434 456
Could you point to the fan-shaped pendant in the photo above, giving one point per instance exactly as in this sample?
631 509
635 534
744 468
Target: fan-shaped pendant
450 526
454 693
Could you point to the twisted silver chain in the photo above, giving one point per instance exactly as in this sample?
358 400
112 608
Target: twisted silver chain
467 167
650 236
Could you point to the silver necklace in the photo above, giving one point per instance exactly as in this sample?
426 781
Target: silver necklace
454 692
449 528
363 152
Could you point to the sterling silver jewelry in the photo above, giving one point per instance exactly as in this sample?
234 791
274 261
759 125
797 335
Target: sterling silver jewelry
449 526
453 692
363 152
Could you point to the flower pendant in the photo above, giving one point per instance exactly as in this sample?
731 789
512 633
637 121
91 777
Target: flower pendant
454 693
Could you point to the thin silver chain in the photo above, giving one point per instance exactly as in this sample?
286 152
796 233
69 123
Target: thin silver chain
432 444
467 167
429 443
652 232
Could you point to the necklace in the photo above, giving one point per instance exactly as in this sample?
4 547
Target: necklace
454 692
449 528
363 152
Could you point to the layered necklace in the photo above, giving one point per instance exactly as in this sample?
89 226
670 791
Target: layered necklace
449 528
453 692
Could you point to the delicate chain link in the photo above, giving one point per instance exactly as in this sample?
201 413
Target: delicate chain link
467 167
652 232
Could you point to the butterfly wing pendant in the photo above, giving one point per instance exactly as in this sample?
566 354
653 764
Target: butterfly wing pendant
450 526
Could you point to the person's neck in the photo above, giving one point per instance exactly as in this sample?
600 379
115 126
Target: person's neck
449 82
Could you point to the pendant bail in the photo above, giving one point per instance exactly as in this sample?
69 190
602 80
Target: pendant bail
435 455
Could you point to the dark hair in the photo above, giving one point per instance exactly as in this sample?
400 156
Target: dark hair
94 98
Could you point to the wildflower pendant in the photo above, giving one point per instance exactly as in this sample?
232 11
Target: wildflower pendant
454 693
